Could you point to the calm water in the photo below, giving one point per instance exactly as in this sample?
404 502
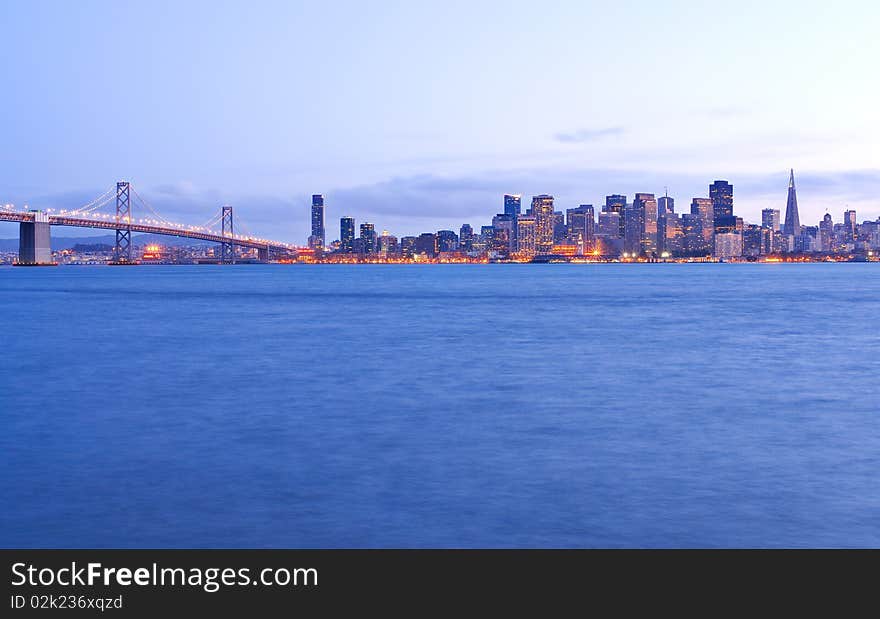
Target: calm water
500 405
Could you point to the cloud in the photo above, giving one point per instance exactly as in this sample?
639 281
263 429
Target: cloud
588 135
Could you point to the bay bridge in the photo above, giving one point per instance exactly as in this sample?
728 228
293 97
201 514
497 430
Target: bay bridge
34 225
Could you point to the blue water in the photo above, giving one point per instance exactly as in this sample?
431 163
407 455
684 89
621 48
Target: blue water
440 406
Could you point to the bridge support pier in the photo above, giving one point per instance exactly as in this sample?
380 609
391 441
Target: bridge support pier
263 254
34 241
227 250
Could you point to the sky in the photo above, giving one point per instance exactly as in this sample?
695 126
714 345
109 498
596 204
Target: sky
419 116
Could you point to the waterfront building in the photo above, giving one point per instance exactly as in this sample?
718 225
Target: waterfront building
527 235
408 246
317 238
466 238
545 219
503 234
581 226
513 208
368 239
616 203
728 245
640 232
826 234
721 194
447 241
703 208
426 245
388 245
346 235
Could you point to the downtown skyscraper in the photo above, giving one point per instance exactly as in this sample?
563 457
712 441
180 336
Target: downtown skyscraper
317 238
545 218
792 226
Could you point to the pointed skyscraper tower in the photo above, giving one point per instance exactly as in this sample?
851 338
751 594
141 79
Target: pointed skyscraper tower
792 218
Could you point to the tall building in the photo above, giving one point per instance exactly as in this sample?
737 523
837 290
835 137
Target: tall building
513 208
826 234
316 240
728 245
850 227
545 218
426 244
388 245
346 234
368 238
503 234
447 241
703 209
466 237
770 219
526 235
665 205
641 225
665 208
581 226
721 194
616 203
792 225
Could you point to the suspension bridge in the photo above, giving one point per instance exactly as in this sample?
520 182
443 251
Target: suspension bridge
34 236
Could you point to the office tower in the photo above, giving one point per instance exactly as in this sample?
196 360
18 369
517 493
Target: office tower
721 194
826 234
581 226
447 241
346 235
792 225
545 218
503 234
368 238
770 219
641 225
316 240
388 244
670 235
756 240
609 225
512 208
426 244
665 205
559 229
466 238
728 223
407 246
850 228
526 235
703 208
728 245
617 204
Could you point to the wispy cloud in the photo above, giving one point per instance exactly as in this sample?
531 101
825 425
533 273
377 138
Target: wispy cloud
588 135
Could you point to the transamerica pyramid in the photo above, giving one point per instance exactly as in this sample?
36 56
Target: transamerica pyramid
792 219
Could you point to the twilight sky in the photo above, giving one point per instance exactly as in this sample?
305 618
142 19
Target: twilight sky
418 116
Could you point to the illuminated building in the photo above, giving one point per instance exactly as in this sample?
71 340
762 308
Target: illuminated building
503 234
426 245
756 240
466 238
728 245
527 235
513 208
641 225
346 235
559 229
826 234
721 194
408 246
792 225
447 241
581 226
670 236
730 223
703 208
616 203
368 238
770 219
850 227
388 244
545 219
316 240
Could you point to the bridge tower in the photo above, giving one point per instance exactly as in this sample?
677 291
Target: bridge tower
122 250
227 250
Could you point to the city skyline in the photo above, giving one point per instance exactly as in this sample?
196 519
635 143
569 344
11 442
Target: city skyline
408 131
